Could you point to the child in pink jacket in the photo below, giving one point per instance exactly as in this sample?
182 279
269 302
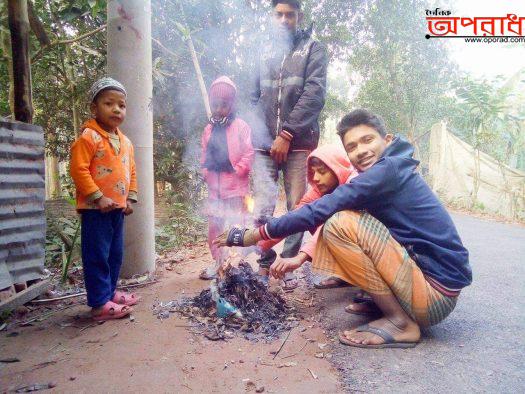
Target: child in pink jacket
328 167
226 160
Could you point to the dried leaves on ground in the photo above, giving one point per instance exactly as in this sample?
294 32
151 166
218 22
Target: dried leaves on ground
263 314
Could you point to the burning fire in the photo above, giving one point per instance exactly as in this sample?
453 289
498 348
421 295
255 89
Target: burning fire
230 257
250 203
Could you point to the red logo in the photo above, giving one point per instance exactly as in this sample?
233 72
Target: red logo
440 25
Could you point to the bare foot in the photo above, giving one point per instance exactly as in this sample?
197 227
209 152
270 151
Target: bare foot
406 331
362 308
362 296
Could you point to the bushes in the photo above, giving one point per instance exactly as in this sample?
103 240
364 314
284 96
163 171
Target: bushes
185 226
62 242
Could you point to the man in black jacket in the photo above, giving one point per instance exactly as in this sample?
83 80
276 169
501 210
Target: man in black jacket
289 95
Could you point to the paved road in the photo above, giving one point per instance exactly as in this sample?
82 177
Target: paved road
479 348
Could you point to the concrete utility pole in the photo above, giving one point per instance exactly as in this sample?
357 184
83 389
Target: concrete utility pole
19 28
129 61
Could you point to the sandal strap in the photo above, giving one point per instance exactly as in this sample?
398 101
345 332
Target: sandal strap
114 307
387 337
123 296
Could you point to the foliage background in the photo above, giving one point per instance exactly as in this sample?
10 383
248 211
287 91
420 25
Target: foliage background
377 49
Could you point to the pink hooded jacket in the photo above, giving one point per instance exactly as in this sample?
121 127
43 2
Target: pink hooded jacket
335 158
223 185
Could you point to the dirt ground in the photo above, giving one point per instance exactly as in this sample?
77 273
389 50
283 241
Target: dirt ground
154 355
476 349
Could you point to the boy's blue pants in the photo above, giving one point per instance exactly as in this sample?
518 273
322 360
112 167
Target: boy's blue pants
102 250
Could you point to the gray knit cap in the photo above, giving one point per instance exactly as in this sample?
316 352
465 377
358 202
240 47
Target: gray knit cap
105 83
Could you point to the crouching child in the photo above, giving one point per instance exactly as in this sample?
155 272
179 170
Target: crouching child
327 167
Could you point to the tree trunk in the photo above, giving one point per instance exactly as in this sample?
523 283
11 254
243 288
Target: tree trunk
36 26
6 49
53 189
129 61
19 28
156 191
196 65
200 78
512 155
72 85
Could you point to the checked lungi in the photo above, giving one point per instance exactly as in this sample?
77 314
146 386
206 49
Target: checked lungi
357 248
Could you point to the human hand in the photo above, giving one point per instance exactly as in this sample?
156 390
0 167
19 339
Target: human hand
129 209
279 150
105 204
238 237
284 265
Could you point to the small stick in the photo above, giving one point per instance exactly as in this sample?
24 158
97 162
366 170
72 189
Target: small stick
54 347
295 354
37 318
43 365
138 284
46 315
83 293
311 373
42 301
88 326
282 344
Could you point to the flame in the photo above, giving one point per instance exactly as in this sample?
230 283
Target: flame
250 203
228 260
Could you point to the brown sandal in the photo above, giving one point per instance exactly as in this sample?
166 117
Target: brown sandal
390 342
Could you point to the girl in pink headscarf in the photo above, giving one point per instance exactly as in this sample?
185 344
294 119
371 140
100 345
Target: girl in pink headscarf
226 160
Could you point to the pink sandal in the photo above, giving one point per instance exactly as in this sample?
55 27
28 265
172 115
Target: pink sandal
111 311
123 298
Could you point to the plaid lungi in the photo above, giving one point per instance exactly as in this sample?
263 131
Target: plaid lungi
357 248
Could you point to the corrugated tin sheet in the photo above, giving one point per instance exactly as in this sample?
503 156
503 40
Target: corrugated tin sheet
22 192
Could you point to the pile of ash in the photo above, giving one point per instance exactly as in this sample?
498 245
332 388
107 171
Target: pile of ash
244 301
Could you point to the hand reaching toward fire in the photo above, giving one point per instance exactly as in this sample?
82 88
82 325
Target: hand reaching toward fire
283 265
235 236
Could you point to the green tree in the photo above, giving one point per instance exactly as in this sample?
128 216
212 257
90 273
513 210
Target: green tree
404 77
227 37
63 66
488 121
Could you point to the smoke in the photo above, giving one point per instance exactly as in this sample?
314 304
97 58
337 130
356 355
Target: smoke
228 38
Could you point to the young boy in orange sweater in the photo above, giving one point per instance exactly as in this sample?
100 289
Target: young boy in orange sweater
103 169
